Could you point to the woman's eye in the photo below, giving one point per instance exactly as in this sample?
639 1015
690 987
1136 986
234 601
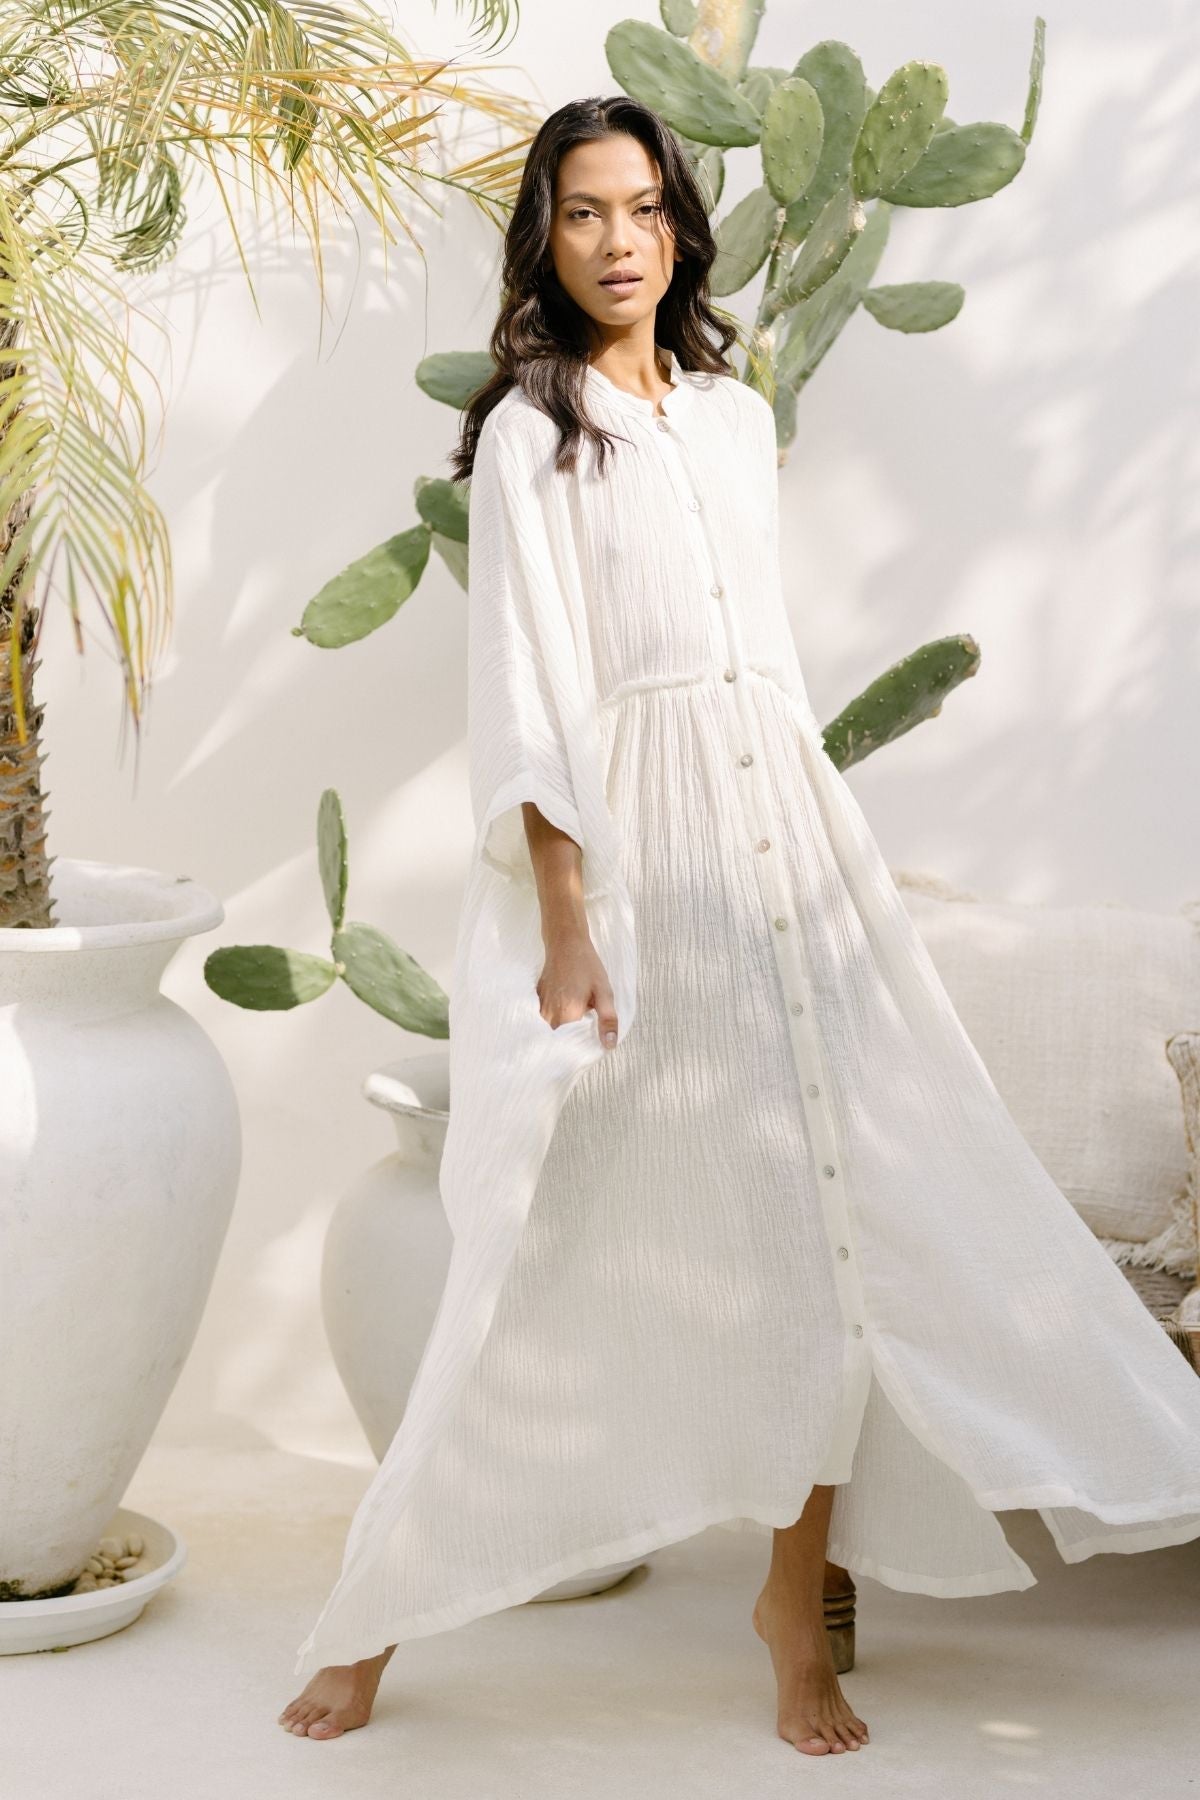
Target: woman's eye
583 212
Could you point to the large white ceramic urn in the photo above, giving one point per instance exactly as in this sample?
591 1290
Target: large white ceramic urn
120 1148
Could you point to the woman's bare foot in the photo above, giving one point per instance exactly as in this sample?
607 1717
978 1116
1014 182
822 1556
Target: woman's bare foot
337 1699
813 1712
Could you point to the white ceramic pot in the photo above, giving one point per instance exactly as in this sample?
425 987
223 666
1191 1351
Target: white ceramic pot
120 1147
387 1250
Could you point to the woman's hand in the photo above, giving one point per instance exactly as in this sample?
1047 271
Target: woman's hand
573 980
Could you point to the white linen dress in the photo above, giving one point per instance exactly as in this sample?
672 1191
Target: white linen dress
785 1232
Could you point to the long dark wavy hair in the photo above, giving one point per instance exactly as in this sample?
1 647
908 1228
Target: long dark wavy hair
541 339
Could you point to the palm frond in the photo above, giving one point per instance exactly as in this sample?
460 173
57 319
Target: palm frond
107 109
73 440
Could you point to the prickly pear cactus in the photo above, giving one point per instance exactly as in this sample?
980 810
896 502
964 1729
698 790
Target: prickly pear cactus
829 147
265 978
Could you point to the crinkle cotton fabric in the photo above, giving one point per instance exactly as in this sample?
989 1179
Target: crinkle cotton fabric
784 1232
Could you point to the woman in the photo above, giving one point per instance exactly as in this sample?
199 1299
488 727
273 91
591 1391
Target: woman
776 1256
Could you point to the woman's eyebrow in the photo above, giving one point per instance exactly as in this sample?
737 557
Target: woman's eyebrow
596 201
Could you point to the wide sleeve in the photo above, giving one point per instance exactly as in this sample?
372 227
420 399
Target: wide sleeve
515 738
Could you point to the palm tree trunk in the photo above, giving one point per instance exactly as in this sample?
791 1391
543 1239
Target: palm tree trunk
24 863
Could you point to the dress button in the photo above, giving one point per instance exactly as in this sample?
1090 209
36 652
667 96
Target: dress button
693 504
663 424
813 1088
797 1006
716 590
745 759
763 844
731 674
858 1331
843 1252
781 924
828 1169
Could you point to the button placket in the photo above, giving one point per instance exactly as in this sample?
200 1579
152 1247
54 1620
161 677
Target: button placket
807 1051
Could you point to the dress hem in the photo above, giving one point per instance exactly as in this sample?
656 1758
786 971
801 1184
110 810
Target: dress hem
1132 1512
658 1537
1016 1577
1013 1579
1127 1542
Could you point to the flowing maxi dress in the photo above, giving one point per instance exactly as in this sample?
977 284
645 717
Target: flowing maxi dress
786 1231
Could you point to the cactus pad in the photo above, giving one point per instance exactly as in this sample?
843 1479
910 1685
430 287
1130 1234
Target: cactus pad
744 238
825 249
332 858
367 593
968 162
1037 62
897 128
911 690
692 96
263 978
444 506
915 305
792 132
391 981
453 376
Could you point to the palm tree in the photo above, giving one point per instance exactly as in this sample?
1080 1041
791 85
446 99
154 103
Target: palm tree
107 107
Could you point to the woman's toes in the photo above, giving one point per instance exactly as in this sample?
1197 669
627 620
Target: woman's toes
813 1746
325 1728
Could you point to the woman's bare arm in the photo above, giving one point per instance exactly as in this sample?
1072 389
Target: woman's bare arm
573 978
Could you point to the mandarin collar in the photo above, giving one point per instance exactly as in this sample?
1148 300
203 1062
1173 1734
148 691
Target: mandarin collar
673 401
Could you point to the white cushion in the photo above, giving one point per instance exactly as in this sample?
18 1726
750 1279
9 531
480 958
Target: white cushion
1070 1008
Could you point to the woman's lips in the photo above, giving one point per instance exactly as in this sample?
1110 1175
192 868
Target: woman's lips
624 284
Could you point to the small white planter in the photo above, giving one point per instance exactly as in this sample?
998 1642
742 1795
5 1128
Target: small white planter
120 1148
387 1250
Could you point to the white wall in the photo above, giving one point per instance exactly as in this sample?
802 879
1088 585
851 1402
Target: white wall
1029 475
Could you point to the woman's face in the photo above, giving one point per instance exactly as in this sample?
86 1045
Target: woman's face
606 219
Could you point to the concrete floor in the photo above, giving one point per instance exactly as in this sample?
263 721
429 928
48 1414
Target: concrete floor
1085 1686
